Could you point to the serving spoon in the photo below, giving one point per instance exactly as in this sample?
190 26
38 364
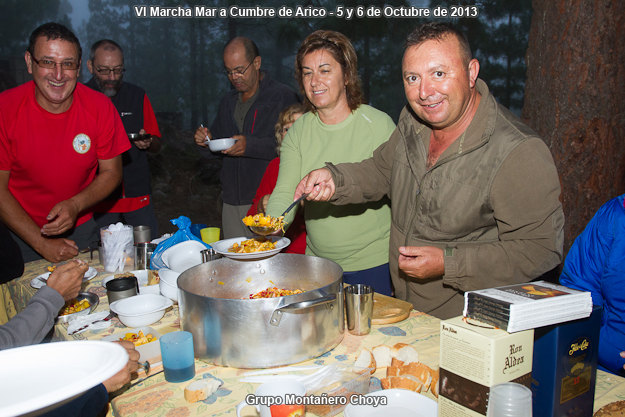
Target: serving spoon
267 230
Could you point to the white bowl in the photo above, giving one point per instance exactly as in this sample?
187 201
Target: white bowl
141 310
184 255
150 289
169 283
218 145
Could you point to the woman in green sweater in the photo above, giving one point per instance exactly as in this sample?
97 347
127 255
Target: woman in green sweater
338 128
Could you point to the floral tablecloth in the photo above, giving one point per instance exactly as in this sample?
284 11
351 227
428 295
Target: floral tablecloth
156 397
159 398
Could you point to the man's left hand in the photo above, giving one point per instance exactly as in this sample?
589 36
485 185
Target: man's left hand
143 144
61 218
238 149
126 374
422 262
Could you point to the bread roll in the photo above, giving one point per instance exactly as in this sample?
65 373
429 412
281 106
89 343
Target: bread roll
393 371
420 371
200 390
408 382
405 353
364 361
614 409
382 354
434 383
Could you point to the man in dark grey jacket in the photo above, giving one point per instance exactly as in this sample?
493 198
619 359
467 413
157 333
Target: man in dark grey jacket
248 114
474 191
32 324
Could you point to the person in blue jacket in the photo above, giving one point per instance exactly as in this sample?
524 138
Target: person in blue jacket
596 263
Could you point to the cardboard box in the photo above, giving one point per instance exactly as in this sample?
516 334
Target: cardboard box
565 367
474 356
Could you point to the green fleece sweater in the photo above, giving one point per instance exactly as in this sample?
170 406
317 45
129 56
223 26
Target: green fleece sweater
355 235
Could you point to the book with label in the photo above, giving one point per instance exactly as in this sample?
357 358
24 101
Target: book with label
526 306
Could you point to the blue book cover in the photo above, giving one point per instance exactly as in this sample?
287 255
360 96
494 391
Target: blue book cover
565 366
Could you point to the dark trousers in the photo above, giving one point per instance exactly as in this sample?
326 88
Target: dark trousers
89 404
378 277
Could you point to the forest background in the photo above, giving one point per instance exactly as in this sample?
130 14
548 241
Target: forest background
571 46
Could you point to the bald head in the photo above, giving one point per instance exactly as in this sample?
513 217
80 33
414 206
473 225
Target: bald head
241 43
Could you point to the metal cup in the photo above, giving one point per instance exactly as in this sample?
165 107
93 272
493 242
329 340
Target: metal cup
142 234
143 254
119 288
210 255
359 308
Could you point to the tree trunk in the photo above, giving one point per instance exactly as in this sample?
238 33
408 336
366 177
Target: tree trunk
194 68
574 99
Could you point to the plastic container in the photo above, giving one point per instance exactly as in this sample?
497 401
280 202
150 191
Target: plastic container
345 382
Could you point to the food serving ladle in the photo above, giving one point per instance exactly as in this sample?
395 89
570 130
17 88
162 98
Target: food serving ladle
267 230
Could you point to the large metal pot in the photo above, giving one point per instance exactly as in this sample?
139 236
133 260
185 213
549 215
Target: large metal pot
231 329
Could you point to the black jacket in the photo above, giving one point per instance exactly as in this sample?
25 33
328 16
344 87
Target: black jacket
136 170
240 175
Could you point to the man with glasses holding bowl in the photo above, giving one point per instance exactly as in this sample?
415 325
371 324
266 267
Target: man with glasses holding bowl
131 202
60 150
248 114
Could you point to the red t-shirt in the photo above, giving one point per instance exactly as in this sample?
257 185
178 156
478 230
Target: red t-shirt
296 231
149 118
52 157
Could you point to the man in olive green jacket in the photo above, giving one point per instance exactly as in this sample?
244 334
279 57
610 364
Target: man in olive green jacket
474 192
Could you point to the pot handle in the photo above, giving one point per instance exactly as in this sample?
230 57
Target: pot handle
277 314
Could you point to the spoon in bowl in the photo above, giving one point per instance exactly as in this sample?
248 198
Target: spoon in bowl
207 138
267 230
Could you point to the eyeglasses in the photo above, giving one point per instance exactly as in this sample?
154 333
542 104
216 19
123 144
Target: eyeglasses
49 64
107 71
237 71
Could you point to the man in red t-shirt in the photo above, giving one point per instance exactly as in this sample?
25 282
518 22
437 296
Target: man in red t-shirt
60 146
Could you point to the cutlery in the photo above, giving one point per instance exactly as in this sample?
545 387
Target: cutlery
107 318
281 370
143 379
267 230
207 138
146 366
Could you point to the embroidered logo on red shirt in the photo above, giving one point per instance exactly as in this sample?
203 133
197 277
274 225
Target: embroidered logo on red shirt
82 143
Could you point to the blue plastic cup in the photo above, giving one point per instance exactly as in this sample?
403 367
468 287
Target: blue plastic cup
177 354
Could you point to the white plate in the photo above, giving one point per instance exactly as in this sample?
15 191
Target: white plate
36 282
400 402
222 247
71 368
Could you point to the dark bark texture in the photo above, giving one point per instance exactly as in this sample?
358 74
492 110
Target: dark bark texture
574 99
